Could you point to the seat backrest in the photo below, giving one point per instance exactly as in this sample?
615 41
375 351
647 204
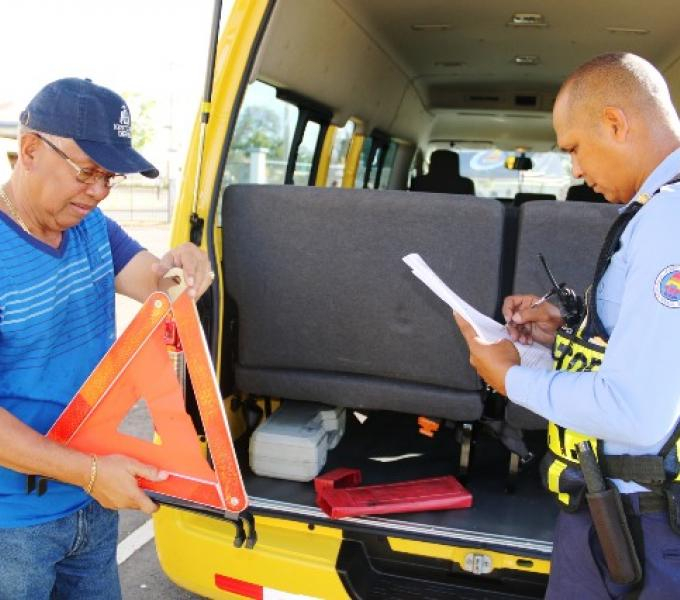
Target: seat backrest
444 176
522 197
569 235
584 193
327 310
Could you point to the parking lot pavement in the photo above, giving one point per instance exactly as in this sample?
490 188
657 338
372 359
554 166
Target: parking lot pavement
140 572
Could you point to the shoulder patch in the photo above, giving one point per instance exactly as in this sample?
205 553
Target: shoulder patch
667 286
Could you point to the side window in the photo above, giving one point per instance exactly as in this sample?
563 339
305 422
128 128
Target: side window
305 156
341 142
363 158
387 166
372 162
262 138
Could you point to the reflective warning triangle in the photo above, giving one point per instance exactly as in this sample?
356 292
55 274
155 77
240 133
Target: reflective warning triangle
138 367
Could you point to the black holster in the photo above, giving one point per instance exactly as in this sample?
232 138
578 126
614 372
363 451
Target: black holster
613 531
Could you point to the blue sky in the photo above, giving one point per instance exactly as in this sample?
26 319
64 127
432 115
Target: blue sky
155 49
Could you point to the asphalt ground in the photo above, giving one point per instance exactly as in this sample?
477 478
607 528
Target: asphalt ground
140 572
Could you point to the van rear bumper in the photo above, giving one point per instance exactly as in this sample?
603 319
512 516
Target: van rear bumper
356 558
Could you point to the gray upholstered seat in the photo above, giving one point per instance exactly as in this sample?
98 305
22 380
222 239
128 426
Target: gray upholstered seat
327 310
569 235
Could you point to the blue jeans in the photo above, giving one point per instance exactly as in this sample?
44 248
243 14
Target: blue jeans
71 558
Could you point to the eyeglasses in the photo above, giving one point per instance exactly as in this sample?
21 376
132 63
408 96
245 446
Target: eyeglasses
83 175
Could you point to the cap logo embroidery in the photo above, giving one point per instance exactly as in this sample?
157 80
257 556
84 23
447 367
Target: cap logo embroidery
123 125
667 286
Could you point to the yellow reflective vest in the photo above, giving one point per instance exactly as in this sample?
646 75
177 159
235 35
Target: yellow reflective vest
560 469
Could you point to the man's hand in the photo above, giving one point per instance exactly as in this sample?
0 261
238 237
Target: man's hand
195 264
491 360
116 485
526 324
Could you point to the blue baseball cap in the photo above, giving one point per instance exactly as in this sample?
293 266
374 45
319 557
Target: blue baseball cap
96 118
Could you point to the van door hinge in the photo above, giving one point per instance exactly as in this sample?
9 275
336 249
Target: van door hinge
478 564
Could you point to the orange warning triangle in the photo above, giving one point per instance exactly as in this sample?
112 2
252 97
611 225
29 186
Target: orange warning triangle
138 367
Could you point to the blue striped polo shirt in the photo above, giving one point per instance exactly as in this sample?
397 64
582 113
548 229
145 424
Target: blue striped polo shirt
57 320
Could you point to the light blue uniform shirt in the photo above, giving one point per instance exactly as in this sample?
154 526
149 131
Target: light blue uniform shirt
633 402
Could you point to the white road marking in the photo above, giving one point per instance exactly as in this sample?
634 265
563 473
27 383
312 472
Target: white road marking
138 538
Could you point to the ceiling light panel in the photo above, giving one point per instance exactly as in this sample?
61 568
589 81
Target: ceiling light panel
431 27
526 60
633 30
527 20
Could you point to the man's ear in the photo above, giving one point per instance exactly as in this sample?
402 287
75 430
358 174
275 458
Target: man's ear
28 146
616 123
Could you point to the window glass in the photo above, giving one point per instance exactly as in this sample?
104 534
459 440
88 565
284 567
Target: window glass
387 166
262 138
339 154
361 167
303 165
551 172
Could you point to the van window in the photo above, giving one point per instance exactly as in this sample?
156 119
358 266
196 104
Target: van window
339 154
306 150
387 166
551 173
262 137
374 154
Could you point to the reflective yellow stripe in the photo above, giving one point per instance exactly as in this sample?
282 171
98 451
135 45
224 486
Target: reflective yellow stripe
554 472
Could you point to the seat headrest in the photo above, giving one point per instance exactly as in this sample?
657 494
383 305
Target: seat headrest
444 161
584 193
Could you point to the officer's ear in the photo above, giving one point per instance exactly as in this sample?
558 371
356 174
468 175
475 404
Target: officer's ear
615 123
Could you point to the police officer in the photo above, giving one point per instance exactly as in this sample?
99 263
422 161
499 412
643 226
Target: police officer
615 117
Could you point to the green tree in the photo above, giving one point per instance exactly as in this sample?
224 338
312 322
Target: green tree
143 129
259 127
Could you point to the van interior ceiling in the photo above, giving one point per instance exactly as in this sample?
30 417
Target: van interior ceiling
464 71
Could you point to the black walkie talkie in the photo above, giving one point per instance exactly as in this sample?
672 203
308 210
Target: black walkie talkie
571 303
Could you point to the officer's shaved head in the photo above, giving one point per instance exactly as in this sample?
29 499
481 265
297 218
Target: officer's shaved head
618 79
615 117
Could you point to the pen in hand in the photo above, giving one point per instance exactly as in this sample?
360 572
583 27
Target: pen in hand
542 299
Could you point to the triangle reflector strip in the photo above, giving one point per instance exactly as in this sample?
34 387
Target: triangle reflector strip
138 367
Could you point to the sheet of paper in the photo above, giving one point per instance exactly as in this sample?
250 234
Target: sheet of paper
487 329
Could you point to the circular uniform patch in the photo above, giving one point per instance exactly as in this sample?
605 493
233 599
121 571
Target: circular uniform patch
667 286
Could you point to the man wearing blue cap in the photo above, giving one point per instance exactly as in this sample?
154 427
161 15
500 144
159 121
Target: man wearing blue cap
61 262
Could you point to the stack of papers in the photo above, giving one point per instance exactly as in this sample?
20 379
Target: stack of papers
487 329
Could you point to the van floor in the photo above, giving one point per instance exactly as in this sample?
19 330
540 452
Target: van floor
527 513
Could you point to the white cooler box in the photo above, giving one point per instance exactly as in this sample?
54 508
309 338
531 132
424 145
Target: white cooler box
294 441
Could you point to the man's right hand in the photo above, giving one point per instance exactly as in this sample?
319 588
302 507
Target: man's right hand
527 325
116 485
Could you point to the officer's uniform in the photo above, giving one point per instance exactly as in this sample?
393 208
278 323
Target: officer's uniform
629 402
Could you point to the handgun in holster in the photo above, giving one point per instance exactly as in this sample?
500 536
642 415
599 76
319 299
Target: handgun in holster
609 520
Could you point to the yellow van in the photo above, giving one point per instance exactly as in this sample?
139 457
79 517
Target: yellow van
336 137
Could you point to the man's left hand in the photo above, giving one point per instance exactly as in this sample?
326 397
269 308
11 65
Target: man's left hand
195 264
491 360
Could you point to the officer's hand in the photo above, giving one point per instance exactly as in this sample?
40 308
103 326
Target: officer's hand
195 264
526 324
491 360
116 485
